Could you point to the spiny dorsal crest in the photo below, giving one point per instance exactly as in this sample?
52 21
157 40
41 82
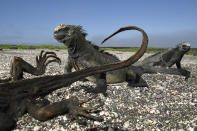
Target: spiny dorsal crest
77 28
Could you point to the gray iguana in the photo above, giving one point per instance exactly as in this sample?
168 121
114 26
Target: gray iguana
18 96
167 58
84 54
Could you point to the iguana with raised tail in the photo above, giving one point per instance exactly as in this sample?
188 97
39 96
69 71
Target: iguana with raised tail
83 54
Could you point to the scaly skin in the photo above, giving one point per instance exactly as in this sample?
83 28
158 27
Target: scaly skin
83 54
167 58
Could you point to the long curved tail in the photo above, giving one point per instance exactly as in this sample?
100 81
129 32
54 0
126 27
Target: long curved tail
118 65
144 44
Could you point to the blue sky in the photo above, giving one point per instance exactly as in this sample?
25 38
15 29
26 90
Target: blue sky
167 22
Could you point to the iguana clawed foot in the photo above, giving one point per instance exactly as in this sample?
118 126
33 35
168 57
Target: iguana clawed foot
44 59
19 66
76 109
185 73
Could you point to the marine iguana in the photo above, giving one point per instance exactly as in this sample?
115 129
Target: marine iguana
83 54
167 58
18 97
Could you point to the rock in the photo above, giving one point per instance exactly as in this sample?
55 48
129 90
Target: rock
65 118
36 128
97 123
101 113
104 113
115 114
167 121
126 125
148 122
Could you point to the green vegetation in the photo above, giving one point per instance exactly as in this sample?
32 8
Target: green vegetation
120 49
191 52
150 49
5 46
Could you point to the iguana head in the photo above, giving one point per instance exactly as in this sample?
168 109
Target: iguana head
183 47
66 33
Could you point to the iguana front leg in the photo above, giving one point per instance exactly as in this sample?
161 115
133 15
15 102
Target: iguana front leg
71 106
178 65
18 65
138 81
101 85
68 66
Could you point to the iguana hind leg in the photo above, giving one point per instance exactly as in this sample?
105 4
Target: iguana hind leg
135 79
101 85
72 106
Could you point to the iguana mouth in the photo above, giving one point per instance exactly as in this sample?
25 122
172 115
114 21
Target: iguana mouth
59 37
59 32
186 47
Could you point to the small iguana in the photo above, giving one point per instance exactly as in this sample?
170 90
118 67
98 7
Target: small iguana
167 58
84 54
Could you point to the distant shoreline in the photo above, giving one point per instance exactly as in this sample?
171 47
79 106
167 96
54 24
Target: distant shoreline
52 47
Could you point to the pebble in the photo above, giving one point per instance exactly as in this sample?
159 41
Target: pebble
65 118
126 125
115 114
36 128
97 123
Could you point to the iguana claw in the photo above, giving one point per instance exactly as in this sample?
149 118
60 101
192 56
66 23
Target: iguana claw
76 110
43 59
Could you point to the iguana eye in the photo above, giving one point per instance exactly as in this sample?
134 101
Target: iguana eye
65 29
61 30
